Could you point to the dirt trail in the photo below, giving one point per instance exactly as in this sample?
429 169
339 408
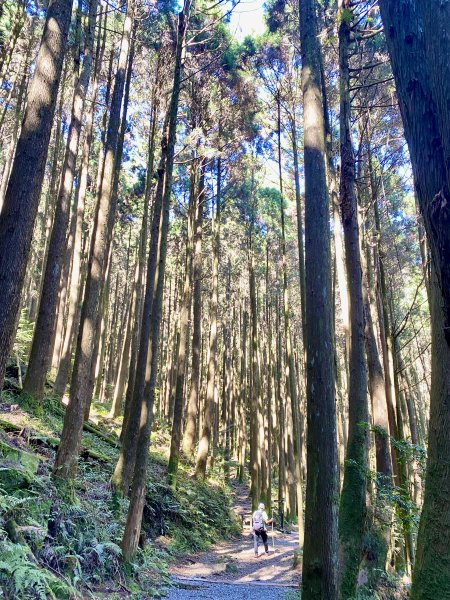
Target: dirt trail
229 569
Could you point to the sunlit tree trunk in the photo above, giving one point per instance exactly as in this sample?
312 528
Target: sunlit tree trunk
27 172
185 310
81 385
41 349
352 512
190 432
134 517
319 580
209 418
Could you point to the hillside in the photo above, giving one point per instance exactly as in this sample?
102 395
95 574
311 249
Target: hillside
60 543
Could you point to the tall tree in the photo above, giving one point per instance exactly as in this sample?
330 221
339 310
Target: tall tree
193 405
319 581
27 172
352 512
185 310
41 347
134 517
81 386
205 438
406 41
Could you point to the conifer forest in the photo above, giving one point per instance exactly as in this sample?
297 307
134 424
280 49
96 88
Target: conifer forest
225 281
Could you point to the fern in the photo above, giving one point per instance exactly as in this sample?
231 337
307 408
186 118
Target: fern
9 503
26 579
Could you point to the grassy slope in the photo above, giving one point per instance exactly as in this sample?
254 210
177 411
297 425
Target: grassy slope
51 547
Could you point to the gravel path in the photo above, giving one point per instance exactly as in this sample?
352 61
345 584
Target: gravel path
217 591
230 571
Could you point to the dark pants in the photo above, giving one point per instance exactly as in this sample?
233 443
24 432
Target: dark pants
260 533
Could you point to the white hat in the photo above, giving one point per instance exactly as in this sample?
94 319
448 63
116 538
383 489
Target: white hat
261 506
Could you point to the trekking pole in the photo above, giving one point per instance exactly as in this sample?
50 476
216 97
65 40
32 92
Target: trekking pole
273 536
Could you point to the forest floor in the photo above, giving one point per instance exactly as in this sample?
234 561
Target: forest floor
230 570
63 542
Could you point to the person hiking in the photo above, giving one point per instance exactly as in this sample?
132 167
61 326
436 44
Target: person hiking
259 522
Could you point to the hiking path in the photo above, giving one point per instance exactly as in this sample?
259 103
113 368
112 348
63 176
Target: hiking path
229 570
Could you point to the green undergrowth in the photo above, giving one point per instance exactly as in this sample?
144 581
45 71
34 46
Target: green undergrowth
60 542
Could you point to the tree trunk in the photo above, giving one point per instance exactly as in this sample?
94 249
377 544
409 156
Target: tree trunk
123 472
17 116
76 280
243 398
380 418
431 576
134 518
27 173
298 202
435 20
41 348
81 388
190 432
291 384
127 364
205 439
185 311
352 512
255 450
320 549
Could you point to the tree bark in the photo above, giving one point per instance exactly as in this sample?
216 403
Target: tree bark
190 432
27 173
205 438
185 310
320 549
407 48
134 518
41 348
435 20
81 386
352 512
291 383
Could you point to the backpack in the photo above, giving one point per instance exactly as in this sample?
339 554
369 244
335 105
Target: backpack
258 522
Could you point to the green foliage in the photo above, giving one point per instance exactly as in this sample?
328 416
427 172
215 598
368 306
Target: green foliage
24 336
194 516
69 535
387 586
22 577
408 453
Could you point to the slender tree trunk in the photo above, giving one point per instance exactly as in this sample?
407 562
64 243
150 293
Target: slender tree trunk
18 21
17 117
41 348
255 450
76 279
27 173
127 364
298 202
123 472
81 389
134 518
185 310
190 432
320 549
380 418
243 398
76 284
291 384
352 513
205 439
